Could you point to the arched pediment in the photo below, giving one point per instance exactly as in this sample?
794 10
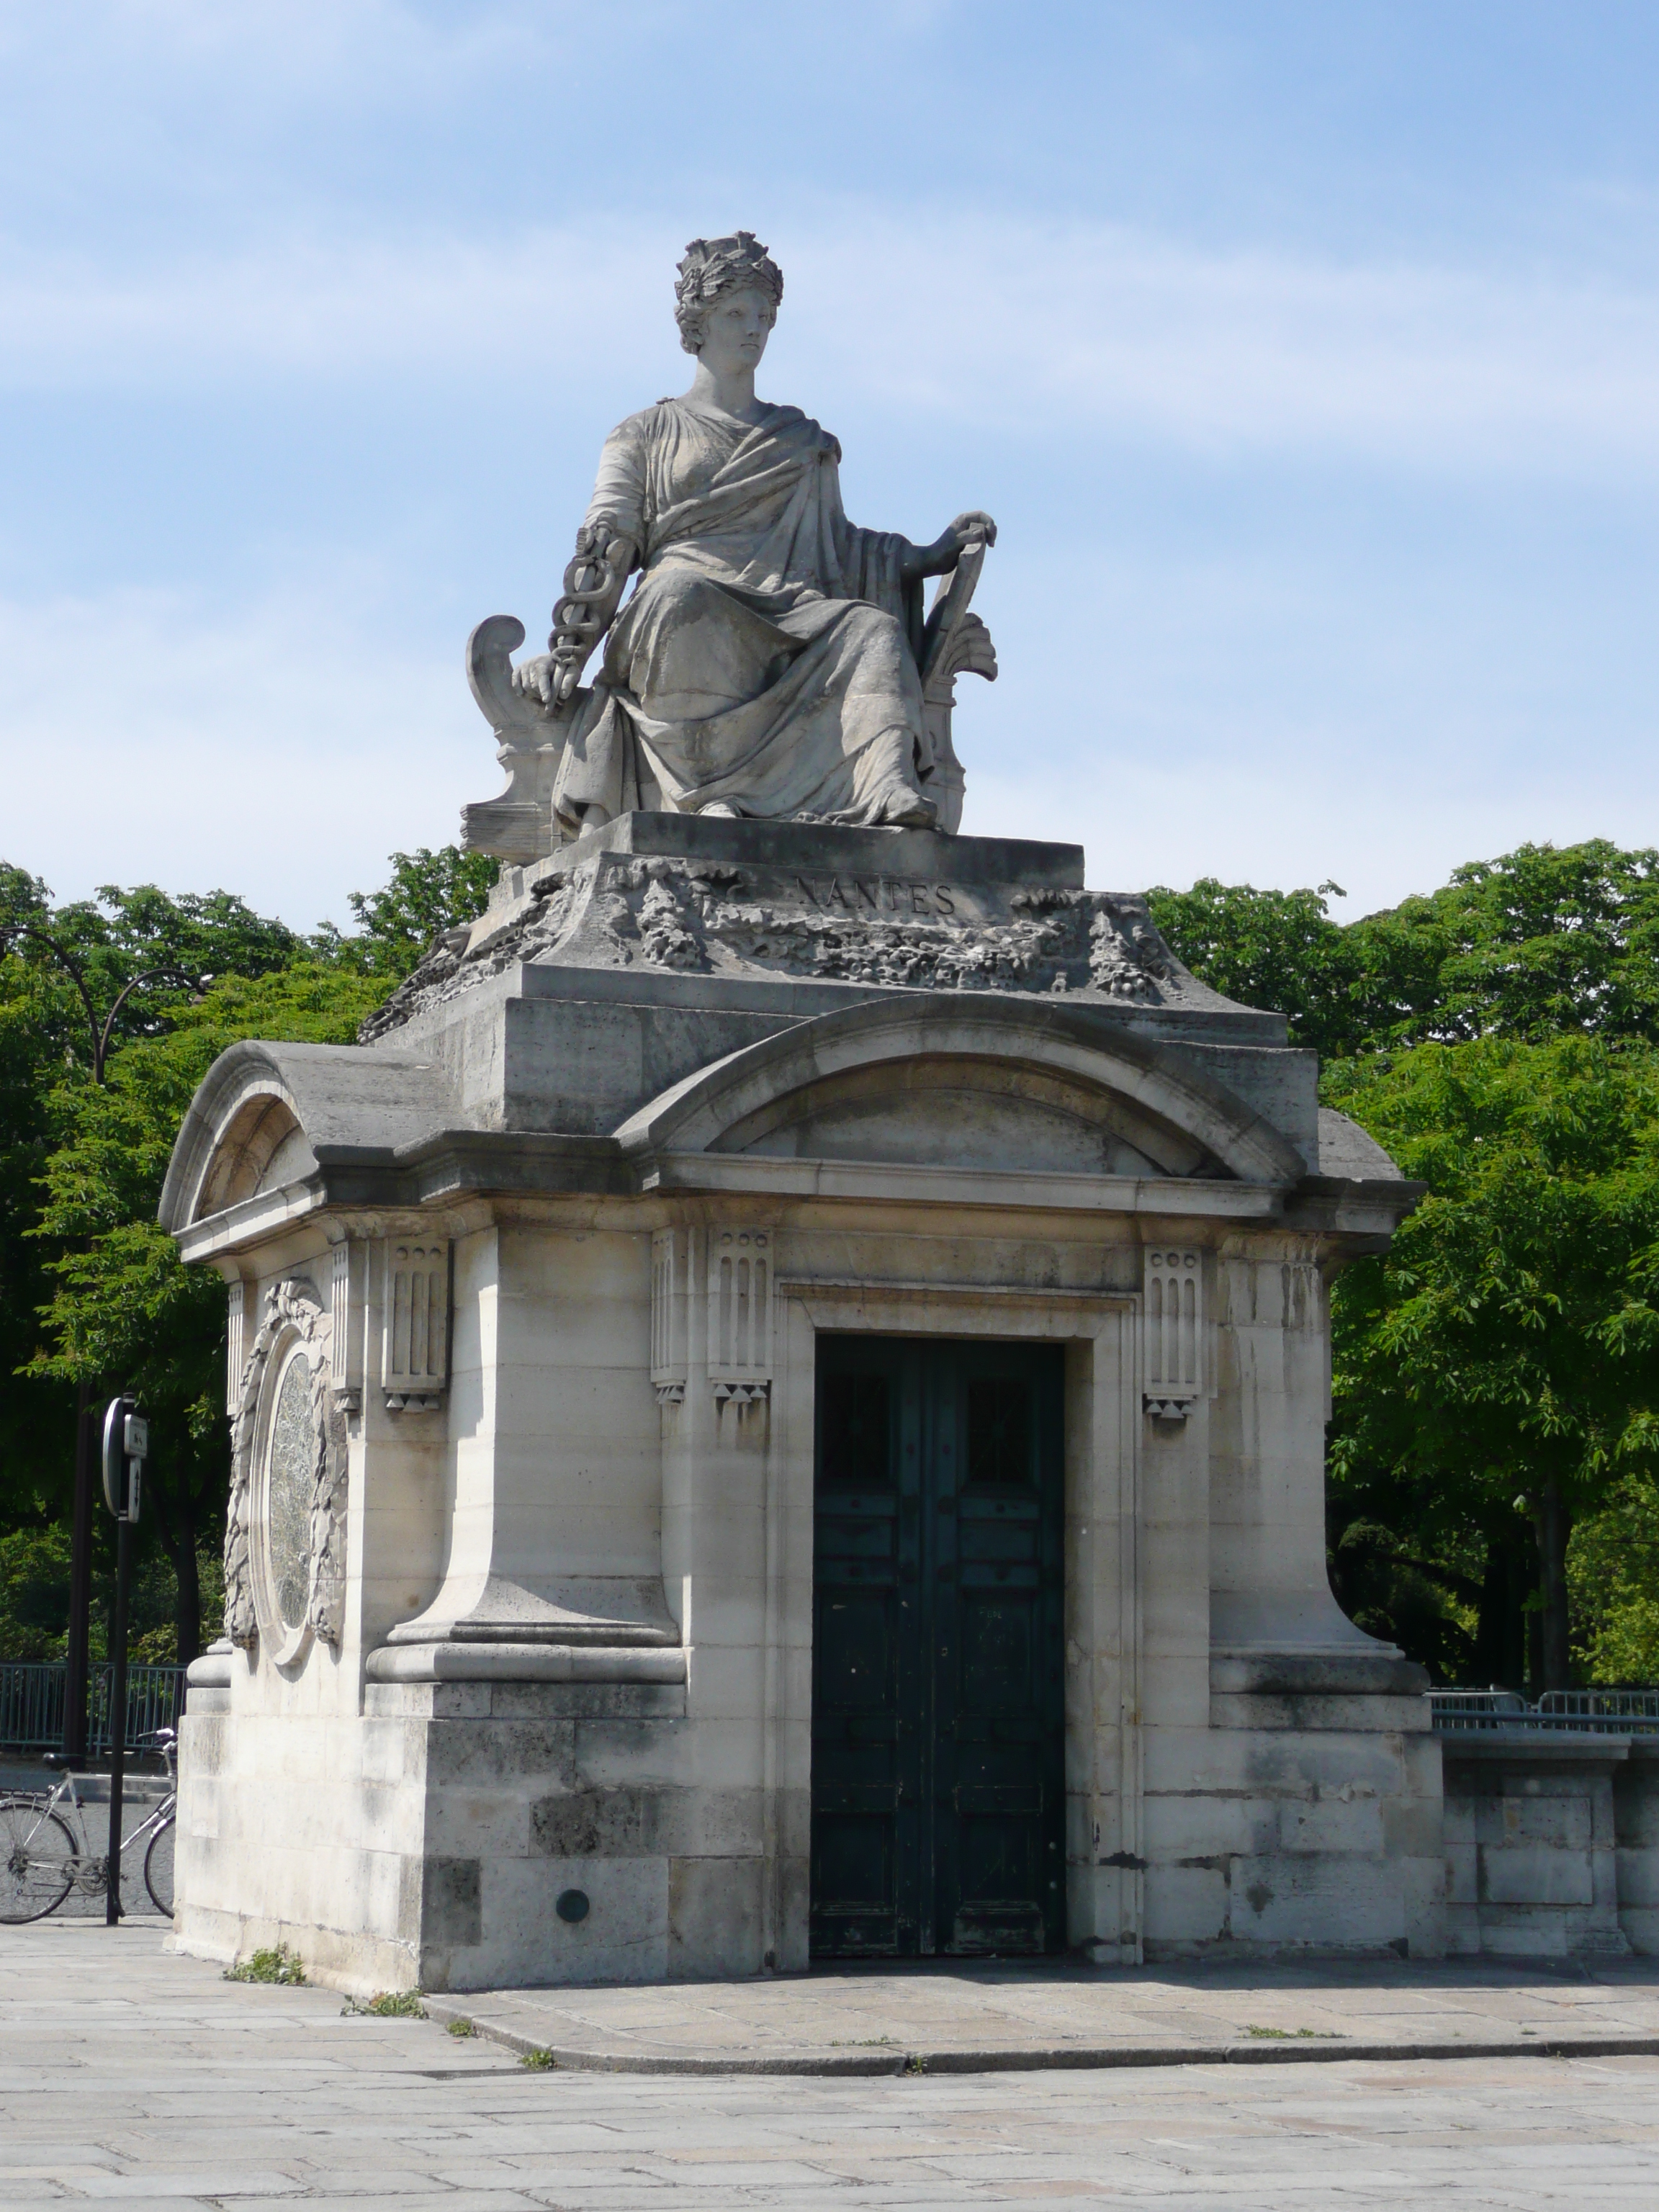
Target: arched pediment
266 1116
262 1147
989 1085
976 1113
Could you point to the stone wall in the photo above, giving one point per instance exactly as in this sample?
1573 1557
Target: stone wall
1552 1842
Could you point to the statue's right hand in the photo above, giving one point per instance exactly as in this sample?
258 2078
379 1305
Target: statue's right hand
537 680
550 679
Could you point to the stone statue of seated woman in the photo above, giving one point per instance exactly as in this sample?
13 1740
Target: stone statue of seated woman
773 659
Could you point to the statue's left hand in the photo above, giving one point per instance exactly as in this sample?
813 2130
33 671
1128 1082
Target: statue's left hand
967 530
974 528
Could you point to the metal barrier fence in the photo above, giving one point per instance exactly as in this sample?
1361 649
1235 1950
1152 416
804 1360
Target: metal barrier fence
31 1705
1583 1712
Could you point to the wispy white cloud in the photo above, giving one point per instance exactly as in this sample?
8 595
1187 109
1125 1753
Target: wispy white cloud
1154 820
1049 331
1247 352
1256 723
280 748
322 53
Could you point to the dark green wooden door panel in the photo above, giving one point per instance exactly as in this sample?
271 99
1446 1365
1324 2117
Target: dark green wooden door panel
938 1747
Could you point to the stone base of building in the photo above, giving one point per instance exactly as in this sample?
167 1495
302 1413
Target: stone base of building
780 1404
485 1835
1316 1825
481 1835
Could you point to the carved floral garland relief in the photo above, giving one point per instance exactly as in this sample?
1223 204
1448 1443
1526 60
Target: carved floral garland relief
296 1331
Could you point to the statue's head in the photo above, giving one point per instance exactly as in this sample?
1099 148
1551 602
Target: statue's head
715 266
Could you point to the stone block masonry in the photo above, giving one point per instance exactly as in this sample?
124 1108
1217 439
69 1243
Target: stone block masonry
537 1693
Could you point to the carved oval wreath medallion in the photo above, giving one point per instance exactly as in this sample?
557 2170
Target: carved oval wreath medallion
285 1527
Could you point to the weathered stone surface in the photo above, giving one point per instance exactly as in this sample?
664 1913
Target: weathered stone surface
746 899
576 1629
1534 1866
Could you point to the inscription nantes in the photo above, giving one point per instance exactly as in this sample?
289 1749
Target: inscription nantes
878 895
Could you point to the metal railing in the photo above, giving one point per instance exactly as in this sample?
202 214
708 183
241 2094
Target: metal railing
1634 1709
31 1705
1583 1712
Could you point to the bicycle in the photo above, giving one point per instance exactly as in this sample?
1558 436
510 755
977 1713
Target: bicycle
45 1852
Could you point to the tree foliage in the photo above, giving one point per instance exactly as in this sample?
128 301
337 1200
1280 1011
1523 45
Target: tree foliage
92 1292
1496 1372
1500 1362
1544 941
123 1312
1612 1573
428 893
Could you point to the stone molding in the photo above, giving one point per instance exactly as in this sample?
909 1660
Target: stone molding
474 1661
1172 1332
740 1313
736 1338
239 1298
332 1091
347 1299
703 917
694 1115
415 1362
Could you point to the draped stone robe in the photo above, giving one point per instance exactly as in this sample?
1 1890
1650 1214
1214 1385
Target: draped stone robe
765 660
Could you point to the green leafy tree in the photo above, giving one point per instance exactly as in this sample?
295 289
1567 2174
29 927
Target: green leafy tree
428 893
124 1310
36 1417
1543 941
77 984
34 1591
1613 1576
1497 1367
1277 950
92 1295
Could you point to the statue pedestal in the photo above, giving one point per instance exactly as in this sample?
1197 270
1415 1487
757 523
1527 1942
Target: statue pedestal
826 1354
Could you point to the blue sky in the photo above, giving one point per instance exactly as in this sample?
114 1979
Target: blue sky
1307 354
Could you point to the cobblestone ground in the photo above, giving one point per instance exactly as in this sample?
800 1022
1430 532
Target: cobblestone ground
127 2074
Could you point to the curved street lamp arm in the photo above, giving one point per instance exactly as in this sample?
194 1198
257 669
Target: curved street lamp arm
145 976
99 1030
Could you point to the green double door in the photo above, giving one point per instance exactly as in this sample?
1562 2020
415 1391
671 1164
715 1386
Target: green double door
938 1717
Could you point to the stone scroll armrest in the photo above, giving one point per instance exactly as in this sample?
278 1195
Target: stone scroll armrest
532 736
954 641
518 826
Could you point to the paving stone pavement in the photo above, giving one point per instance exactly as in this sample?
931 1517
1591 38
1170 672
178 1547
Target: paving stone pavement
953 2016
127 2075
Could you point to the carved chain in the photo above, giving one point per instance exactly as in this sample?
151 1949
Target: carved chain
593 588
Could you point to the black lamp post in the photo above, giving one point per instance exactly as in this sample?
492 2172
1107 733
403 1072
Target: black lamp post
125 1447
77 1649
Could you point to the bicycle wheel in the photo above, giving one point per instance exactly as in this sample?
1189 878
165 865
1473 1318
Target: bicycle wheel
38 1859
158 1869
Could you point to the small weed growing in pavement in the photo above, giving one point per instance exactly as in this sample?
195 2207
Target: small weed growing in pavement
391 2005
916 2063
460 2027
1292 2035
538 2062
280 1964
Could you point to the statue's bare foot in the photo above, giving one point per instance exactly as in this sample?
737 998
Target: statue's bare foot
908 810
